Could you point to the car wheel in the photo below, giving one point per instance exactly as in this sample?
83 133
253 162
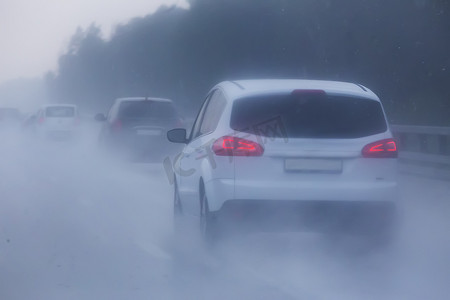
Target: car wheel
383 238
385 234
208 224
177 210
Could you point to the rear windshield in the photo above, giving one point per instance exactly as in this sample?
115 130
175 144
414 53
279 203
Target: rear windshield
308 116
60 112
146 109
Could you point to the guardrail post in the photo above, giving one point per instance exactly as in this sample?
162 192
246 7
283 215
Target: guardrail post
402 138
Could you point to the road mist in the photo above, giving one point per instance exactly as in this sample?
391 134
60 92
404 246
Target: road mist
78 224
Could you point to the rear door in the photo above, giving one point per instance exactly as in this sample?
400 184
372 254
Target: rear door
196 159
188 173
310 139
60 117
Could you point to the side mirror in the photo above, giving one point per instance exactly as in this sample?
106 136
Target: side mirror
177 135
100 118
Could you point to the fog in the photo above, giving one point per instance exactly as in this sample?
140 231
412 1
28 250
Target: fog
76 224
79 222
399 49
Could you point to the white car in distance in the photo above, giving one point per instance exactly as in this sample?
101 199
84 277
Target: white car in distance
288 155
57 121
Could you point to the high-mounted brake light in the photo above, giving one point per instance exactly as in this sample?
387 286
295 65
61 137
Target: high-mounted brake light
308 92
235 146
386 148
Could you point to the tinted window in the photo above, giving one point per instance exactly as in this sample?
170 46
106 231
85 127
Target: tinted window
60 112
146 109
309 116
212 113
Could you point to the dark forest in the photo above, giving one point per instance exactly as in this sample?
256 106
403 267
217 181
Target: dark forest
400 49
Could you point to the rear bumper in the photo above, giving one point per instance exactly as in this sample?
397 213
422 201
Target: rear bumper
220 191
133 141
312 206
316 215
338 190
59 134
139 147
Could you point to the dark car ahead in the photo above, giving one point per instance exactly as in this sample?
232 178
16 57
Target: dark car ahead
137 126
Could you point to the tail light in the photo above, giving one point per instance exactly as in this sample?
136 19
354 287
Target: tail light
41 120
234 146
381 149
77 121
116 126
308 92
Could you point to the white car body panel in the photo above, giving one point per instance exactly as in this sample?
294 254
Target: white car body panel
265 178
48 125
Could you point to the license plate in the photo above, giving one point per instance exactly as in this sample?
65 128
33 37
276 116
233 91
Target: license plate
148 132
313 165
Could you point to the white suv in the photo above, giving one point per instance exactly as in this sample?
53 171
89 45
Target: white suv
287 155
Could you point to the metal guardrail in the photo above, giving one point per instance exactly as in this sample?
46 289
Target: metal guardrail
424 144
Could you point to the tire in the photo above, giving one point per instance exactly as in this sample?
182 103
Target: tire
209 228
387 233
177 211
384 238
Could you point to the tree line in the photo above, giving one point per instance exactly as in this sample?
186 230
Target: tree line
400 49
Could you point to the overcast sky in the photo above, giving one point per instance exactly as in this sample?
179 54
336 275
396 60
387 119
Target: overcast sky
34 33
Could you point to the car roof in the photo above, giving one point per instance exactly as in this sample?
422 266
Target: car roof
143 98
243 88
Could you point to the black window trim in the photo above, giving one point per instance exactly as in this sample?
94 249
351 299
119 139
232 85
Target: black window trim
200 114
202 111
206 133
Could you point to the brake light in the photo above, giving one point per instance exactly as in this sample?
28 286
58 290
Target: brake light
386 148
234 146
308 92
116 125
41 120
